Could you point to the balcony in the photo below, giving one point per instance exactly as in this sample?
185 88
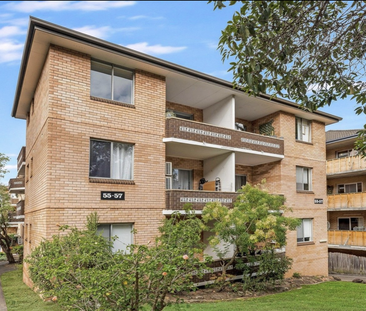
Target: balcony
347 201
176 199
20 208
347 238
195 140
350 166
21 162
16 185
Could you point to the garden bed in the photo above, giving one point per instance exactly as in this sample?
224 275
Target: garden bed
235 290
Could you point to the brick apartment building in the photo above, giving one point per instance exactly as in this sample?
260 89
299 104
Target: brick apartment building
130 136
346 184
17 194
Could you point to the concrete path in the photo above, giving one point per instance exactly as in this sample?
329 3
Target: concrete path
349 277
4 267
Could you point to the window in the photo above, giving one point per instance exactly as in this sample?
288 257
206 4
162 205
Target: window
305 230
178 114
349 223
111 82
267 129
240 180
346 153
303 178
121 232
182 179
303 130
350 188
111 160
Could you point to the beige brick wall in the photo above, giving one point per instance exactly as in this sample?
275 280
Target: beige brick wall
58 140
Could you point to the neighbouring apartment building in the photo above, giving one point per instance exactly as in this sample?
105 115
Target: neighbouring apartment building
132 137
346 184
17 195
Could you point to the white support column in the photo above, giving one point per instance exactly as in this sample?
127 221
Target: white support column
222 166
221 114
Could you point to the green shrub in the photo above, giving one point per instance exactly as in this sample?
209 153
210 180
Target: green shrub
79 270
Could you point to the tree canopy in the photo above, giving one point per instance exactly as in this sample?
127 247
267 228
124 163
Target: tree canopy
311 52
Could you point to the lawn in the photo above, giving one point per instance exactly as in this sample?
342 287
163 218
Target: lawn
19 297
330 296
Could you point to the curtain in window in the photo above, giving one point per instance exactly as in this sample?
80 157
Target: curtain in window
299 178
122 161
123 235
182 179
307 223
304 231
305 130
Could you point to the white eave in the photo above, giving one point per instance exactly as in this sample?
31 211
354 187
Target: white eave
184 85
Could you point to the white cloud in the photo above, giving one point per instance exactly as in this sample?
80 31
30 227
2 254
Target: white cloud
11 155
144 47
10 167
8 31
100 32
103 32
144 17
33 6
10 51
212 45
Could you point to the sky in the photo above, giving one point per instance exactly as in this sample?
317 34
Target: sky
182 32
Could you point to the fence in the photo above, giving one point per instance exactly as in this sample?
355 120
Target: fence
346 263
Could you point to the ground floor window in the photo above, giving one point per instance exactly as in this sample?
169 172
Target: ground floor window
305 230
122 232
240 180
349 223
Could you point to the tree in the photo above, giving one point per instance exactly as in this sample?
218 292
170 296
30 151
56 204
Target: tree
5 207
311 52
255 221
3 160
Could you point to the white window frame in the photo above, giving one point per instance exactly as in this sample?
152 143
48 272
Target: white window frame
300 178
347 184
303 130
111 159
129 227
112 68
305 230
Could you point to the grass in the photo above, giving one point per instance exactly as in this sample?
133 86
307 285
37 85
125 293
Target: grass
20 297
330 296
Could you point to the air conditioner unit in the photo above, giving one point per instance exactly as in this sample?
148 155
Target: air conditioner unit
168 183
168 168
